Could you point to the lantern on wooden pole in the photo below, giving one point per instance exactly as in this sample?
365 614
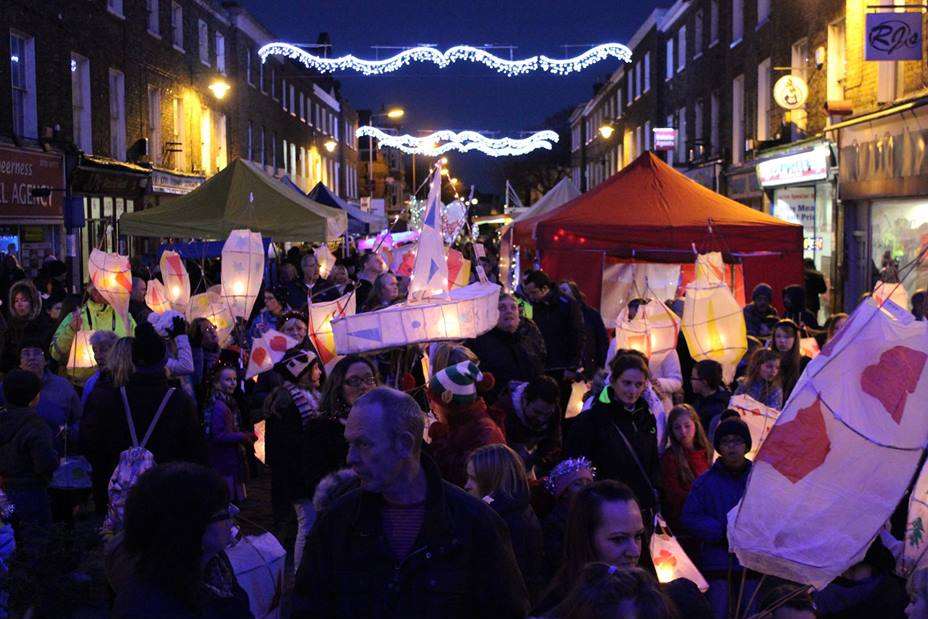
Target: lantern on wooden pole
713 322
176 280
242 271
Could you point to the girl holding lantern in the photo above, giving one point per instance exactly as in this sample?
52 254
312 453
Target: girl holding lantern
226 442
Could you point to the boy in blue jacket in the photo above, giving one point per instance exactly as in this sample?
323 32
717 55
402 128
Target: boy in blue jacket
705 515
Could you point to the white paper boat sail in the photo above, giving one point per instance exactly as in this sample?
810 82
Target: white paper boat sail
432 314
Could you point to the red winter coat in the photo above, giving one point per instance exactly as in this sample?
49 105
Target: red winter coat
453 442
675 491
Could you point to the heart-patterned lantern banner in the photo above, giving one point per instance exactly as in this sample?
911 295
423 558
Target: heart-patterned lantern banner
112 277
156 297
268 350
176 280
842 452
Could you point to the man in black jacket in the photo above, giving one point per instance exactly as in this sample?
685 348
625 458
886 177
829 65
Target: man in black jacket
407 544
560 321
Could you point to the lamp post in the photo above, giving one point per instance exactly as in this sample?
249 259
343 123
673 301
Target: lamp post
394 114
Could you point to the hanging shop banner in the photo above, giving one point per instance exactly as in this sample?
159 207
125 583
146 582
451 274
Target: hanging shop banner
21 171
893 36
790 92
812 165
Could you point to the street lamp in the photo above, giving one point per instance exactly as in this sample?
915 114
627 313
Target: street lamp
606 131
394 113
330 145
219 88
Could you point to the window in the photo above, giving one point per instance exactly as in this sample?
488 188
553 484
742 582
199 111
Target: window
629 88
262 151
713 22
115 7
302 107
302 161
799 61
203 31
647 72
261 76
80 102
639 141
681 48
670 153
763 11
637 79
22 68
647 135
274 150
292 158
836 70
669 73
698 34
154 125
681 135
284 146
180 133
219 131
206 146
698 128
177 25
273 83
888 81
618 102
763 100
220 53
292 99
714 124
117 115
283 87
737 120
737 21
153 26
249 142
248 76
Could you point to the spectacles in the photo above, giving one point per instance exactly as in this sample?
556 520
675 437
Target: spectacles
359 381
229 512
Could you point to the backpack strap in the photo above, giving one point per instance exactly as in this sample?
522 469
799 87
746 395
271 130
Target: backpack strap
154 421
125 407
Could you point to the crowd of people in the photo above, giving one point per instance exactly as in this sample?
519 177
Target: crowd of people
459 487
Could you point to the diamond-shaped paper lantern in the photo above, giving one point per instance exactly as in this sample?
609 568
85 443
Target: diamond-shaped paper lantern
653 332
242 271
112 277
713 324
176 281
156 297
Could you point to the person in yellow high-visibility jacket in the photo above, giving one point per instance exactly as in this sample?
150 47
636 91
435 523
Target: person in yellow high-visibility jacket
96 314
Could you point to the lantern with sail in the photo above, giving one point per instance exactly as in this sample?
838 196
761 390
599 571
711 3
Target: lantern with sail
431 313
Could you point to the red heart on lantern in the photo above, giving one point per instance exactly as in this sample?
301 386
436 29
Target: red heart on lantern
259 355
798 447
891 379
278 343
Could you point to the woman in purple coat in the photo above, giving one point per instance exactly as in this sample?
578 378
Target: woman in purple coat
226 441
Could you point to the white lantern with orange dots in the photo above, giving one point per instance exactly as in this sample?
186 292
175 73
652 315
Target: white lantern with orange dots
156 297
81 359
242 271
176 281
653 331
112 278
713 325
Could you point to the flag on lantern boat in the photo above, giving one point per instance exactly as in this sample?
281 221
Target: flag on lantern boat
430 273
319 325
268 350
842 453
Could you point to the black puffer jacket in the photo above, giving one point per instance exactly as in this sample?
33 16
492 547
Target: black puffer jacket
516 356
527 540
462 566
560 320
27 457
595 434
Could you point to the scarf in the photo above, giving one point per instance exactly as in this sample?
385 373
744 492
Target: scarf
306 403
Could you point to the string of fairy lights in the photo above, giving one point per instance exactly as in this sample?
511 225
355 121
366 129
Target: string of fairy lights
443 59
440 142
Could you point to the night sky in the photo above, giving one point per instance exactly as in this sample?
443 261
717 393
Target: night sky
467 95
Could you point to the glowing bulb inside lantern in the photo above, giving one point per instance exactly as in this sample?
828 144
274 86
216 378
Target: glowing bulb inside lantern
238 288
665 572
175 292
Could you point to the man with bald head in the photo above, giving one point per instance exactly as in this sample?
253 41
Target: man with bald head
406 544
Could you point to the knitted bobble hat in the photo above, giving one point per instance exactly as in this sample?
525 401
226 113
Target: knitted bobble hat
457 384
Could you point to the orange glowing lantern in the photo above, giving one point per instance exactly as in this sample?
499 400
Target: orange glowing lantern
176 281
112 277
156 298
653 331
81 359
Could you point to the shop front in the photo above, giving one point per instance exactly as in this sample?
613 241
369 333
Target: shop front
800 182
883 184
741 185
32 198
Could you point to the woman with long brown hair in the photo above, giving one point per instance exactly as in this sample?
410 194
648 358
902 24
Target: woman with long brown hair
687 455
763 381
792 362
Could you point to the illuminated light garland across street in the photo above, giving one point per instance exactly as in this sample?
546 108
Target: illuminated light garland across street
444 59
441 142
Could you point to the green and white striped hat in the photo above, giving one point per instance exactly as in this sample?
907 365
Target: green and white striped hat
457 384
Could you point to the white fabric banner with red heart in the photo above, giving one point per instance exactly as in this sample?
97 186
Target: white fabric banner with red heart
268 350
842 452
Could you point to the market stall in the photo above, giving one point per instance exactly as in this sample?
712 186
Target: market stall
359 220
651 216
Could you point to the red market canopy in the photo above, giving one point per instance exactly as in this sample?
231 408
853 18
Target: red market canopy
523 226
650 211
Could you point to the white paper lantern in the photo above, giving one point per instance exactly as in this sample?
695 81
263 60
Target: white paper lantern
653 332
176 281
319 325
156 297
213 307
242 271
81 358
713 325
112 277
325 259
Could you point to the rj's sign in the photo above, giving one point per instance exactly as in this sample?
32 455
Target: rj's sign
894 36
21 171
